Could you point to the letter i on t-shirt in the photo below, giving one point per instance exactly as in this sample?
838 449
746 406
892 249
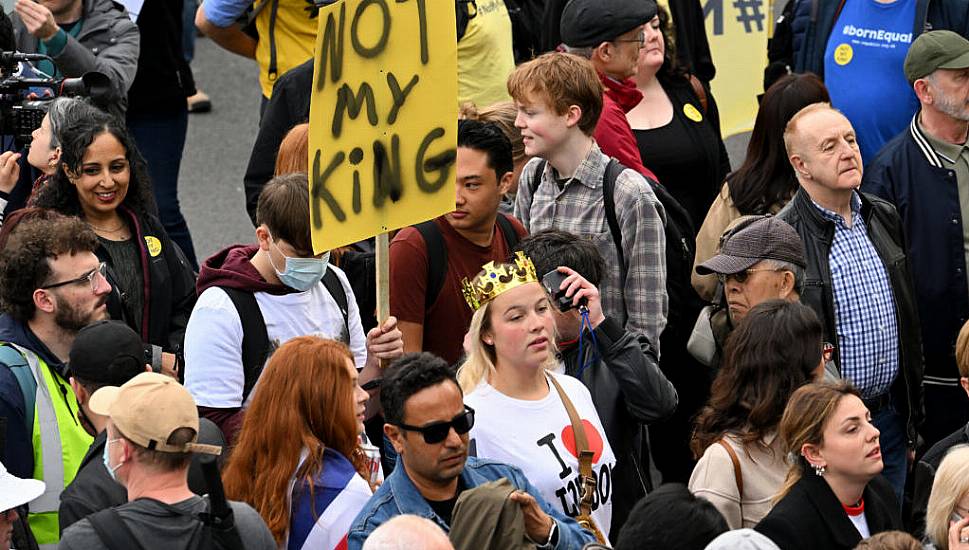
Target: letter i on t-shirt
863 69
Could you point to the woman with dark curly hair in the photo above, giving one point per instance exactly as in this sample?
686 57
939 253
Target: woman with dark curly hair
677 125
775 350
102 179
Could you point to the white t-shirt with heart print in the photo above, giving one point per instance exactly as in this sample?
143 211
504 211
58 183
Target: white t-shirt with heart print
537 437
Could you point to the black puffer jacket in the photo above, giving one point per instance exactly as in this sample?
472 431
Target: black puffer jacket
628 390
885 231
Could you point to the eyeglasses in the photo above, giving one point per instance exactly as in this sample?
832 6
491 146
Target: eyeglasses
641 38
436 432
742 276
90 278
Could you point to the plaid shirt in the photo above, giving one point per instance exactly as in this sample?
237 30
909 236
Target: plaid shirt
578 208
864 305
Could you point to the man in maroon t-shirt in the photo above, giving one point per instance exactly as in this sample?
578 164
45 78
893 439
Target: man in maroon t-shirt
471 236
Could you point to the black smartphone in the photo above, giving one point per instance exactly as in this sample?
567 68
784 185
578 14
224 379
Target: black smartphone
552 281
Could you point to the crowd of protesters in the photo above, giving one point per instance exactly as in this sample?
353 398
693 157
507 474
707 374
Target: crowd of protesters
612 340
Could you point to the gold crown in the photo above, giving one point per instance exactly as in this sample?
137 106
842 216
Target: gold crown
494 279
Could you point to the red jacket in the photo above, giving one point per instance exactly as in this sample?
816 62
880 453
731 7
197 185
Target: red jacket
613 133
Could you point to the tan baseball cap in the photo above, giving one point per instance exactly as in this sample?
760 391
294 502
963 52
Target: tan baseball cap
148 408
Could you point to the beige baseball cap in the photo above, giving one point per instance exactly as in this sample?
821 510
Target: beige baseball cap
148 408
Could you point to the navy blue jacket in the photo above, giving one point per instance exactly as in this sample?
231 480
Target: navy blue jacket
814 19
17 453
908 173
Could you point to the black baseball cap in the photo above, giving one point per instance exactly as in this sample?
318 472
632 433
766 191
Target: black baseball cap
108 353
588 23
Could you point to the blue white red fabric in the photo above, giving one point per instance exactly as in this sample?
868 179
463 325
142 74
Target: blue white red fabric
321 515
864 305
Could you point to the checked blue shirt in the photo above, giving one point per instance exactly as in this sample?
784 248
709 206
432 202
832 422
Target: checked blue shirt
864 305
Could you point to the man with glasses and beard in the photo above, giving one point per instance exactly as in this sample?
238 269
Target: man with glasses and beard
428 424
51 285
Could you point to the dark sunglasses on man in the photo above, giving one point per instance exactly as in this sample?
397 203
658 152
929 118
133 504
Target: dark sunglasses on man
436 432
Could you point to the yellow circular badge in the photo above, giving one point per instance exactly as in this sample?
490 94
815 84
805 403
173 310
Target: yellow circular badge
843 54
154 245
692 113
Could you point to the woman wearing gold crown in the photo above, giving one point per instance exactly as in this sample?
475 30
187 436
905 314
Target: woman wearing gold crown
528 415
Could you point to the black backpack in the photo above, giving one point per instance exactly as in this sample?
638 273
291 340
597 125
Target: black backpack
256 346
437 253
684 303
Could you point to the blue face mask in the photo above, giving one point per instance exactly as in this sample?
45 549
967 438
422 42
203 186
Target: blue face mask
300 273
107 465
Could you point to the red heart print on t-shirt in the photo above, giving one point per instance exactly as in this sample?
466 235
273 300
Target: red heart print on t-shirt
591 433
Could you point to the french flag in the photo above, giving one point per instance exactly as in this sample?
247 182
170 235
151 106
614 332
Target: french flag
321 520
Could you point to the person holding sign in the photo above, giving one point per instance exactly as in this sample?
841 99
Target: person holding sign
428 260
575 187
253 298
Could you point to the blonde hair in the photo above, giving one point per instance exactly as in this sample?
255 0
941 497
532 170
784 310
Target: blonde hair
962 350
950 484
503 115
791 128
806 415
481 361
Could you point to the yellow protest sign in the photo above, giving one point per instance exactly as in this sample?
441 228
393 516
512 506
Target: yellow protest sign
383 118
737 31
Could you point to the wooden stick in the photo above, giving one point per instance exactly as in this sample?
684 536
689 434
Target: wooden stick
382 258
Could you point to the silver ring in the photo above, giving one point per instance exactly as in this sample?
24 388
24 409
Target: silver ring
964 540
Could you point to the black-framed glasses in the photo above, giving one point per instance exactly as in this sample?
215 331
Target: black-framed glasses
742 276
436 432
90 278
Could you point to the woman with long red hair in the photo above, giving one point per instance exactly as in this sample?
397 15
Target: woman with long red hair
298 459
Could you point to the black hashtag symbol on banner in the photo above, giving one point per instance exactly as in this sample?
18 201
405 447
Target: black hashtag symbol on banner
748 11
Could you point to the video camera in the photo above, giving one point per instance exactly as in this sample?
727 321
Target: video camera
20 115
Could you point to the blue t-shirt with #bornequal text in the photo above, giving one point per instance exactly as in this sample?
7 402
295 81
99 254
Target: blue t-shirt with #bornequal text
863 69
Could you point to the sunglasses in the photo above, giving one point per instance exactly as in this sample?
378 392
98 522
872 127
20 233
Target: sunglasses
436 432
742 276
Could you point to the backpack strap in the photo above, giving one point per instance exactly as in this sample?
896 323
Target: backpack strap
436 260
255 337
537 177
507 231
17 364
113 531
335 288
613 170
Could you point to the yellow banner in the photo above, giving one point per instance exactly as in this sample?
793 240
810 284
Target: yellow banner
737 31
383 118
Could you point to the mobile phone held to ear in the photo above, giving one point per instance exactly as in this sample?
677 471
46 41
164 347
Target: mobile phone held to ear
552 281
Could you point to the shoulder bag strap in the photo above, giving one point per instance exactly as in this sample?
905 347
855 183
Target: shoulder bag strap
737 473
113 531
701 93
537 177
585 463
